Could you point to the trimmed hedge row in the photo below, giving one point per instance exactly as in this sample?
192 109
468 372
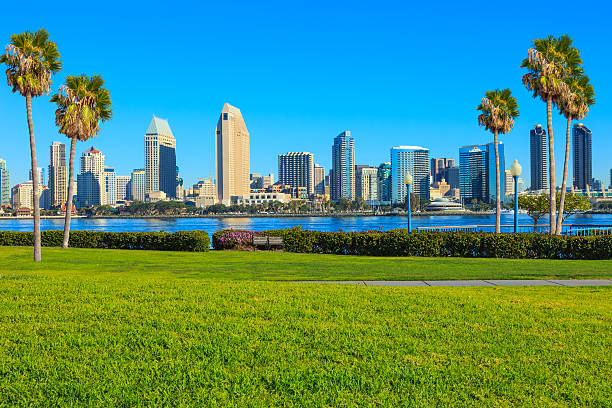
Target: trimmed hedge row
433 244
190 241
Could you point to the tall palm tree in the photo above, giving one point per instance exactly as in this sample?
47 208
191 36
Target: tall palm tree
31 58
549 63
498 111
82 103
574 106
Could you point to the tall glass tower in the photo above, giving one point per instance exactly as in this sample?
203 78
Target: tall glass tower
160 158
343 167
477 172
539 151
5 190
413 160
583 164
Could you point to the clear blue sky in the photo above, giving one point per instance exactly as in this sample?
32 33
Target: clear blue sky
393 73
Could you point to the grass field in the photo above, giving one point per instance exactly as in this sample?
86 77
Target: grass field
118 328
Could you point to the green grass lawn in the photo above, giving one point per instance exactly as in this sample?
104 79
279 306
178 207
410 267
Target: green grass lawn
118 328
236 265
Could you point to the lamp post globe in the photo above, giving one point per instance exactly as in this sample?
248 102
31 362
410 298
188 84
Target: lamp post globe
408 179
515 171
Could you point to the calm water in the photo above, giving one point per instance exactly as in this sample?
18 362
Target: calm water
212 225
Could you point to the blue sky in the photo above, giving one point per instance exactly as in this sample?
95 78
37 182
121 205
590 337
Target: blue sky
392 73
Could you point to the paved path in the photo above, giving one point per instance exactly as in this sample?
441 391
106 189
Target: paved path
529 282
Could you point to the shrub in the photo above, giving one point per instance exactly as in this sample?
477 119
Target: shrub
191 241
400 243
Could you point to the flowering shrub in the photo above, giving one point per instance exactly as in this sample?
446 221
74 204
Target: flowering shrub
235 239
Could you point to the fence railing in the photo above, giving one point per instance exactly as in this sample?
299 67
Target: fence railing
570 229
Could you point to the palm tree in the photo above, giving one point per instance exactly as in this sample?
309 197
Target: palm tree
81 105
574 106
549 63
31 58
499 109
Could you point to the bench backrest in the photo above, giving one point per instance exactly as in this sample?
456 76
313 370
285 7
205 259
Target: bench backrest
267 240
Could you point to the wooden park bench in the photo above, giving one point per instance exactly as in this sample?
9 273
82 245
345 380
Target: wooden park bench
268 242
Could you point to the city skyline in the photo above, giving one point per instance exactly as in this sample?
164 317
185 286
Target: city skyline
324 101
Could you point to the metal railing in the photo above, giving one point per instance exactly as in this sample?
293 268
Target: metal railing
569 229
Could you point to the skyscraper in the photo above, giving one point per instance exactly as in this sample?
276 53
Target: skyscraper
123 182
509 182
319 179
296 169
384 182
137 185
5 189
477 176
415 161
91 182
343 167
539 151
366 183
452 176
58 174
160 158
110 186
41 175
439 168
583 165
232 158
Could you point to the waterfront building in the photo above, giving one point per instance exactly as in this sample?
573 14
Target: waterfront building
415 161
58 174
384 182
509 187
539 152
110 186
452 177
343 167
583 165
439 168
366 183
123 188
477 177
22 195
41 175
232 158
296 169
137 185
439 189
319 179
160 158
91 180
258 181
5 189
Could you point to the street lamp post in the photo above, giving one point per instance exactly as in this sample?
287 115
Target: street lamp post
408 181
515 170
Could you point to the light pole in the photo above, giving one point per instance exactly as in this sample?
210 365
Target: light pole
515 170
408 181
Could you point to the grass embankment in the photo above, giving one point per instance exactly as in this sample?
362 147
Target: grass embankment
237 265
118 328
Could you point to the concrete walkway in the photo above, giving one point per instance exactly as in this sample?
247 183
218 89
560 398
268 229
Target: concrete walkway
527 282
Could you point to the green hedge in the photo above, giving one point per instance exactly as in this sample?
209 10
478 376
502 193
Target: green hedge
191 241
445 244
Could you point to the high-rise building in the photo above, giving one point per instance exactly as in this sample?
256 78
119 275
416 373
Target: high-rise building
452 176
439 168
415 161
509 187
366 183
477 176
539 151
583 164
22 195
296 169
41 175
343 167
137 185
91 181
110 186
258 181
160 158
123 184
319 179
5 189
384 182
610 178
58 174
232 158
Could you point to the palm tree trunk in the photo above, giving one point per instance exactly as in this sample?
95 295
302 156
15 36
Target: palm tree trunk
70 193
551 167
564 184
35 192
497 187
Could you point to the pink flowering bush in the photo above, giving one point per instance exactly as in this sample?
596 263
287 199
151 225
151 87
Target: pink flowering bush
235 239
